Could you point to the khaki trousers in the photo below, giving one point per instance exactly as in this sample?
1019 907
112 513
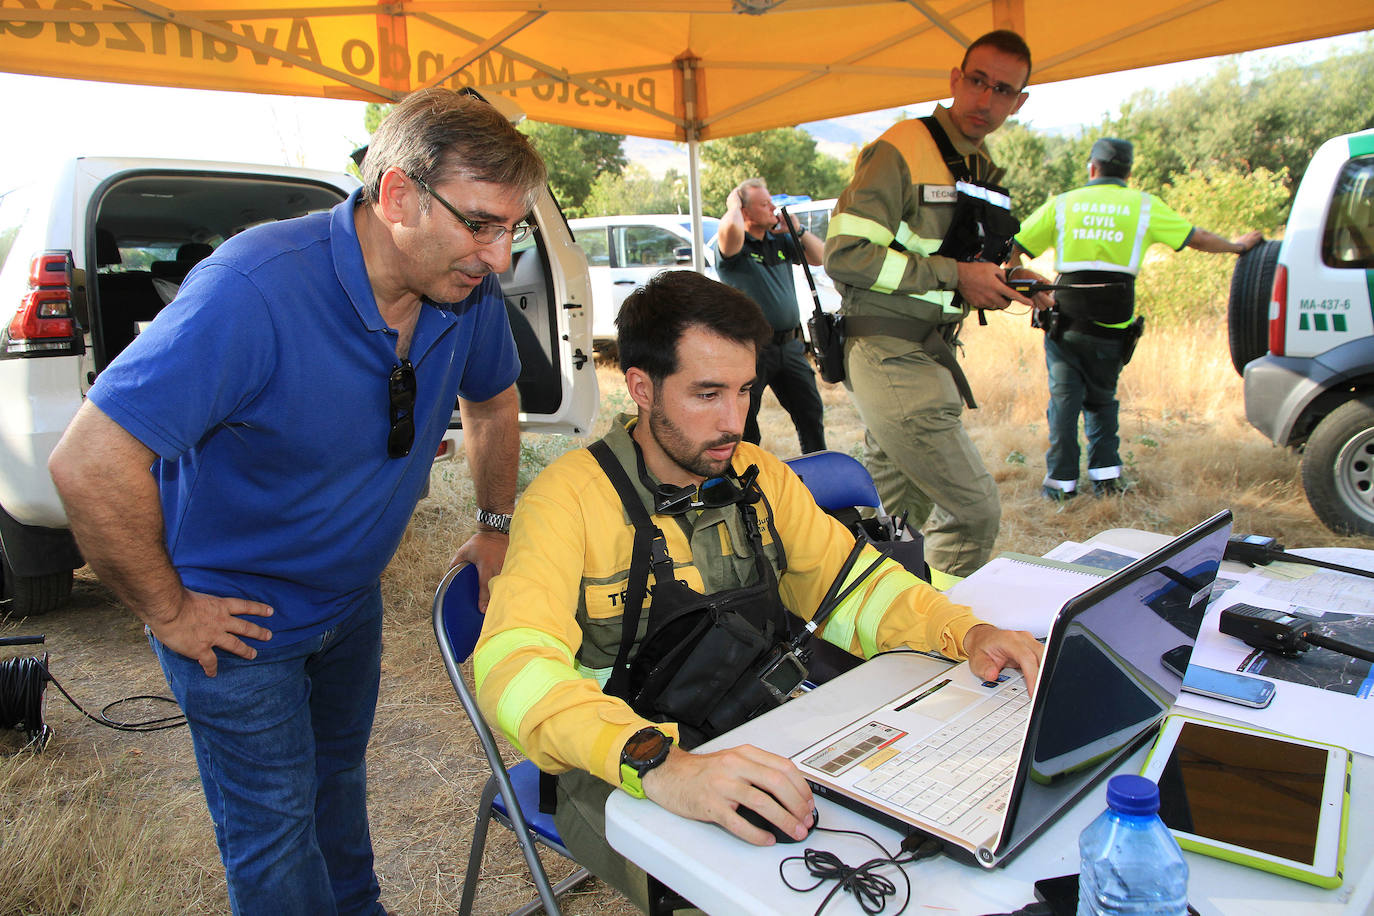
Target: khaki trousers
581 822
922 461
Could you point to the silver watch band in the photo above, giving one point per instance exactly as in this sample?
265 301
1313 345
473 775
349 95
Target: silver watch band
494 520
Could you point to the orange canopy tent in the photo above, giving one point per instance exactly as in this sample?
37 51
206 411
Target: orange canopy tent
685 70
670 69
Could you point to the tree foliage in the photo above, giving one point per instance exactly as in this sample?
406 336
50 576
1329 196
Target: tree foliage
1039 165
786 159
635 190
576 159
1177 286
1273 118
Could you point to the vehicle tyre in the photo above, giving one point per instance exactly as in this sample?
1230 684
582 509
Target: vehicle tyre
1247 312
1338 468
29 596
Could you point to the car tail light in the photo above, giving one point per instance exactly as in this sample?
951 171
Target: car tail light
1278 310
44 324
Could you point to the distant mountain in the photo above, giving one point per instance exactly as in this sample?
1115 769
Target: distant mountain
837 137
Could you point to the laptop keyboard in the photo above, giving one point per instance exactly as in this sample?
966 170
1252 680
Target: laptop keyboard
953 777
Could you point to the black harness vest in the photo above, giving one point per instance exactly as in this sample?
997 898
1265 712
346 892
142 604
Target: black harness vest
697 654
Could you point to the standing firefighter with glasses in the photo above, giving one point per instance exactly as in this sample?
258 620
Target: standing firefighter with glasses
917 241
1100 233
290 402
650 580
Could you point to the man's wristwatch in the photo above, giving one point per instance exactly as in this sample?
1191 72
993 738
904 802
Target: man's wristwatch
646 749
494 520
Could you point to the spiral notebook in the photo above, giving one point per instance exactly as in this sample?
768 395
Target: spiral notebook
1017 591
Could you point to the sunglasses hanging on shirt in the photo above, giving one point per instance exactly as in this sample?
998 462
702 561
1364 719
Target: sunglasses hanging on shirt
400 387
713 493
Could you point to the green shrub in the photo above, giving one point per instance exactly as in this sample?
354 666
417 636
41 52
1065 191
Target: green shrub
1187 285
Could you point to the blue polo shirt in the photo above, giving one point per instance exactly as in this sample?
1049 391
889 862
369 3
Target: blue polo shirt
263 390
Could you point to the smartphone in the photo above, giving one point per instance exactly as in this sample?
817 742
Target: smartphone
1059 894
1219 685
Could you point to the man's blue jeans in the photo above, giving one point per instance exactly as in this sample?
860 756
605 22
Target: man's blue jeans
281 744
1083 370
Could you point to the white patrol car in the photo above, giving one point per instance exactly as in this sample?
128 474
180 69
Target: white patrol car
1309 368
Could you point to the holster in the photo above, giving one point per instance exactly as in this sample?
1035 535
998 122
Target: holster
1133 333
827 345
1050 321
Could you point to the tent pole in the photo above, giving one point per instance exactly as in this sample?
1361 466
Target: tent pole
687 66
694 203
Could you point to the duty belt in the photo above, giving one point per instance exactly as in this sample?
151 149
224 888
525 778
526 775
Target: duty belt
782 337
929 335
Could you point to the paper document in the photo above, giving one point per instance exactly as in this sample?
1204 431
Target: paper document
1320 695
1102 555
1021 592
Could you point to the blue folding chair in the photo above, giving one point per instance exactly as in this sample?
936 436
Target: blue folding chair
836 480
510 796
841 485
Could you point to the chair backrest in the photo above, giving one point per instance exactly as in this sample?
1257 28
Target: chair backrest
836 480
457 618
457 624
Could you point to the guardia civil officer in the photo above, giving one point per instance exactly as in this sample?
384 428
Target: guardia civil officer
898 250
755 254
1099 232
617 549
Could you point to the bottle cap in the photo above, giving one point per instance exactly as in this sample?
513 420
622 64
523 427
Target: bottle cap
1132 795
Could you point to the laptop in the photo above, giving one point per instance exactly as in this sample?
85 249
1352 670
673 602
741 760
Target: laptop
984 766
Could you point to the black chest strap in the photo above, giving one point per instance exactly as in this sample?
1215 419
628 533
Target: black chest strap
650 549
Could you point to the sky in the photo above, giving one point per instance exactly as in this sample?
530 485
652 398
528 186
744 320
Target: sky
46 119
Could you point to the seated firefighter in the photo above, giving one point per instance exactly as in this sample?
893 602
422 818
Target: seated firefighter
672 529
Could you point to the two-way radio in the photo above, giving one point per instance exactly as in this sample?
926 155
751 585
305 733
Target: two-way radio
1281 632
1261 550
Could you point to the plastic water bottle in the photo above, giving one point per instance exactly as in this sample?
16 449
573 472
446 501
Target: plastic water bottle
1130 863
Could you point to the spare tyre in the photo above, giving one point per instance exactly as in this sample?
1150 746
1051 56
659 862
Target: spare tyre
1247 312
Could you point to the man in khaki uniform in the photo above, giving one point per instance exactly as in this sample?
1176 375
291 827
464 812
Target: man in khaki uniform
901 309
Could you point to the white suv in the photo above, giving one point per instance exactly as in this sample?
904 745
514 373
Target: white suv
93 252
1302 331
623 252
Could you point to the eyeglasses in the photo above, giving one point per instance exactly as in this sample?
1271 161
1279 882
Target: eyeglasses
400 388
1004 92
483 233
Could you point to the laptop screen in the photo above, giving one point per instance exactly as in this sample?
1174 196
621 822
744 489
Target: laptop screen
1103 683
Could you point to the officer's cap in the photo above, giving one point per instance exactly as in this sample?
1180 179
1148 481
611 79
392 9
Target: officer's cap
1112 151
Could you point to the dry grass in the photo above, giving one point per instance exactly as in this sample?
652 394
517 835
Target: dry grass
113 823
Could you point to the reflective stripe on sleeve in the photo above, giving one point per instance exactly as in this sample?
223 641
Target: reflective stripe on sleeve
860 227
531 683
890 276
863 610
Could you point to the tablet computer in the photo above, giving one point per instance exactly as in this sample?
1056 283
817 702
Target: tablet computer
1253 797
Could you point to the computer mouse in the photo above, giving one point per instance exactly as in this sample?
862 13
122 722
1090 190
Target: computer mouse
763 823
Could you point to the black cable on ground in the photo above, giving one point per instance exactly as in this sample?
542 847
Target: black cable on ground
22 682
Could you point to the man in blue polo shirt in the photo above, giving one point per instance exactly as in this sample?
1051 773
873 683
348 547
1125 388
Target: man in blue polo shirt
289 402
